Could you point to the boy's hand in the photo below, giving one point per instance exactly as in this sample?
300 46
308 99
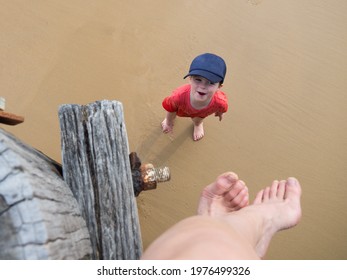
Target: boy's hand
220 115
167 126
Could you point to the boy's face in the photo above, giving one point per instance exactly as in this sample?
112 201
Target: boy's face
202 89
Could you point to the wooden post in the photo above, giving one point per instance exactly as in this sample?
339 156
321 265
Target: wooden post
96 166
39 216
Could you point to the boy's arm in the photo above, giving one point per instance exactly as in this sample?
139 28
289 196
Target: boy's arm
220 115
168 122
170 116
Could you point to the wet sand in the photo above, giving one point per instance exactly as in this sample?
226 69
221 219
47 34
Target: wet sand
286 86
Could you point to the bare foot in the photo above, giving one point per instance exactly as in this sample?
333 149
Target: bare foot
220 232
167 126
198 132
225 195
280 208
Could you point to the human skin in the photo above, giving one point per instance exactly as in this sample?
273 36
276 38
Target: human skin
201 93
226 227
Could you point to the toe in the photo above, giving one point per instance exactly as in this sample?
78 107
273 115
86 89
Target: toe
273 189
266 194
293 188
223 183
281 189
259 197
237 188
238 201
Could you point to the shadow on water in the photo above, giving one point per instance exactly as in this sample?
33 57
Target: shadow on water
152 148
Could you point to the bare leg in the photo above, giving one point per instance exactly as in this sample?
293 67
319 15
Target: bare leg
198 128
168 123
243 234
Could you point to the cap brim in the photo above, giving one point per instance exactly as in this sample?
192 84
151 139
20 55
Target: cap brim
205 74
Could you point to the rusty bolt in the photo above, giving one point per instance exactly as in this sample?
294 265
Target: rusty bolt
146 176
151 176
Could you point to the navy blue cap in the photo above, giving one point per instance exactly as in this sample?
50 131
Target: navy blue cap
210 66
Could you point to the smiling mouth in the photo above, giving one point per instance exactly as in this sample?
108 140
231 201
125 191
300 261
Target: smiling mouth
201 93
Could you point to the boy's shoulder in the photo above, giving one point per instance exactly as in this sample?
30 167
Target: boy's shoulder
220 95
182 89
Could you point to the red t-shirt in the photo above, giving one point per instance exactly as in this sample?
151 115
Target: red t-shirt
179 102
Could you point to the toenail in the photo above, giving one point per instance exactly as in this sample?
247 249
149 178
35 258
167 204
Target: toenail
292 181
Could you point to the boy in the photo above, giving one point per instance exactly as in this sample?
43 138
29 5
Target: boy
201 97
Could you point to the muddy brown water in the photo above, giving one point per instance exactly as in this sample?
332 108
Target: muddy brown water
286 85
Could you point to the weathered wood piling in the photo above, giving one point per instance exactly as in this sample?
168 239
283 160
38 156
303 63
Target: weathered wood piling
39 216
95 156
82 209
